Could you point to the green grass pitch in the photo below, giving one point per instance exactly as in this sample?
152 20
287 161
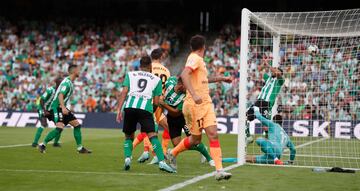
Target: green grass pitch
24 168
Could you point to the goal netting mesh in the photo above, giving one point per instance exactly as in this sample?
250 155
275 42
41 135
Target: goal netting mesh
319 53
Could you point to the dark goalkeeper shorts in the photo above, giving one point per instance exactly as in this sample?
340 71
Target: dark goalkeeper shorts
134 116
60 117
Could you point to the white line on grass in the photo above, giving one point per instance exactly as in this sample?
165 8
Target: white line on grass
294 166
308 143
93 172
12 146
202 177
196 179
327 156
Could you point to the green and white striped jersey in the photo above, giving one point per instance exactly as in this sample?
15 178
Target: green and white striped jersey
271 89
47 97
66 88
172 98
143 86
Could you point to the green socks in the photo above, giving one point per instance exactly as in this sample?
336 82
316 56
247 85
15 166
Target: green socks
202 149
128 147
157 148
56 140
52 134
77 136
38 134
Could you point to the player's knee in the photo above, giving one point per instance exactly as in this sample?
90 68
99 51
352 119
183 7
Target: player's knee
74 123
151 134
195 140
60 125
211 133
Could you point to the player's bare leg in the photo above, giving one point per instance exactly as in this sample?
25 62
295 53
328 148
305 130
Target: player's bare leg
216 154
165 136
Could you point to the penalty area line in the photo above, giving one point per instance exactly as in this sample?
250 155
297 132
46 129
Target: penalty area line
196 179
90 172
12 146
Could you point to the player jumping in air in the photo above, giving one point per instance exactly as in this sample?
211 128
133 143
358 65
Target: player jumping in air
273 146
267 97
45 113
163 73
62 115
172 102
198 108
141 93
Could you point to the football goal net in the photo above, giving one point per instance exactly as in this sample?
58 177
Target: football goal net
319 98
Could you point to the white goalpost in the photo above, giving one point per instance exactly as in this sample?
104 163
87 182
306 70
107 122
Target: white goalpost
319 54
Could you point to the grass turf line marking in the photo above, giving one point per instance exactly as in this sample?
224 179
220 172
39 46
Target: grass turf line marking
202 177
12 146
94 172
327 156
196 179
308 143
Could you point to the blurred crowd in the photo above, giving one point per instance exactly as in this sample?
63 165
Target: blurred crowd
34 53
322 85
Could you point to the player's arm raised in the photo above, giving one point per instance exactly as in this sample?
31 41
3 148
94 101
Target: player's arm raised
185 77
274 70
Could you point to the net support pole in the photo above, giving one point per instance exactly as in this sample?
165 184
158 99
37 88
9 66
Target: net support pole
276 63
244 50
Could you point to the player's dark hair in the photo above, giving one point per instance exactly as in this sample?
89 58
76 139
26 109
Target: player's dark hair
278 119
156 53
197 42
71 68
58 81
145 62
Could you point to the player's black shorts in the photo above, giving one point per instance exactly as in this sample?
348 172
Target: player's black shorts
176 125
133 116
43 117
264 107
58 116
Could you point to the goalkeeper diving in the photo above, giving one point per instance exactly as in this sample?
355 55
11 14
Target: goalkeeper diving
274 145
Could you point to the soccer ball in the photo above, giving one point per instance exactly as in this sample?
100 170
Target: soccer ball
313 49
